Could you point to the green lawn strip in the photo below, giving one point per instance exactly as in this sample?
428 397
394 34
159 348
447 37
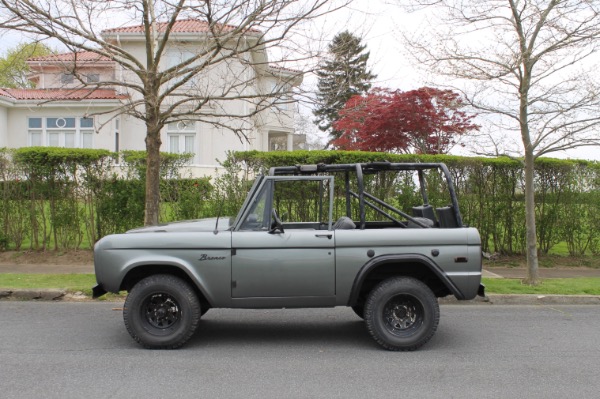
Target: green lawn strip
85 282
69 282
553 286
75 282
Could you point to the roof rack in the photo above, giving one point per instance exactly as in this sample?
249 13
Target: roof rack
365 167
362 169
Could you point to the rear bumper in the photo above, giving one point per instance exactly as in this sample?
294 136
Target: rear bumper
98 291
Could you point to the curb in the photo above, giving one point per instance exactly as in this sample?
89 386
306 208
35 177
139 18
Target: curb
492 299
28 295
524 299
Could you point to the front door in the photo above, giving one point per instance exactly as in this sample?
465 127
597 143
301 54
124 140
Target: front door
294 259
291 264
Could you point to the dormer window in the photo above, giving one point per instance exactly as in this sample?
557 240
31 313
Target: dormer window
93 78
66 78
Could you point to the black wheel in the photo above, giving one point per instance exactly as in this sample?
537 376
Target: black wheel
359 310
402 314
162 312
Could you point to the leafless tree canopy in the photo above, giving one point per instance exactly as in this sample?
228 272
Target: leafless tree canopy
168 80
239 31
529 63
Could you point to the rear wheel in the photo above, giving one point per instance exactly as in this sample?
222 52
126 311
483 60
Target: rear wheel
162 312
402 314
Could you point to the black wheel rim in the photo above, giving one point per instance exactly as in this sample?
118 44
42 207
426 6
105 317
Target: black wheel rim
161 311
403 315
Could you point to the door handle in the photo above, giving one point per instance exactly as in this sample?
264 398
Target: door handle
328 236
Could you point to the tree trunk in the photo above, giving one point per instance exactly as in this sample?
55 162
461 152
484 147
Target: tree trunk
153 143
531 237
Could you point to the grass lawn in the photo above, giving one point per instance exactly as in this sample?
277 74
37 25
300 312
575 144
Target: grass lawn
85 282
552 286
545 261
68 282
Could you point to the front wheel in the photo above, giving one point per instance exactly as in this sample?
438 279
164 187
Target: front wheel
402 314
162 312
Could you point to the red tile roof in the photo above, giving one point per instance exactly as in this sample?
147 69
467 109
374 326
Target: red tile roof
279 68
181 26
61 94
65 57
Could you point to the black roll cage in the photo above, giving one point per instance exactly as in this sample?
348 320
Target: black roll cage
365 199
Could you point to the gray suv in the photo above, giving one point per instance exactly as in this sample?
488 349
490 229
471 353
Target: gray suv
306 236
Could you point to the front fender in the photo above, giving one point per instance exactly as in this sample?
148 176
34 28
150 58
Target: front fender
208 270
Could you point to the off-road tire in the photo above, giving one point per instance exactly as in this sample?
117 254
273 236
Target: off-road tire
162 312
402 314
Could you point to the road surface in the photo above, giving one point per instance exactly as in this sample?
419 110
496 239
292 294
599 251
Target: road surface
75 350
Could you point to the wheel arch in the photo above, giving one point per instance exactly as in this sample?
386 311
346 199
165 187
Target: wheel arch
408 265
139 272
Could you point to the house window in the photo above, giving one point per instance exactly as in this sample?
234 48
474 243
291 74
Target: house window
68 132
174 58
66 78
93 78
284 103
86 126
281 96
35 131
60 132
181 137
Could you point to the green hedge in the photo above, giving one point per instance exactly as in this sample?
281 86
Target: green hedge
490 192
68 198
56 198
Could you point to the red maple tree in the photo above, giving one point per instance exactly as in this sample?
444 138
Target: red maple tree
424 121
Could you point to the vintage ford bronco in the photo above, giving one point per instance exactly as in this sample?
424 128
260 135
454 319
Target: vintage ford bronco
306 236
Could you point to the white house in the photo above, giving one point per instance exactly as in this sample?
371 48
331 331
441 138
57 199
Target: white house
62 111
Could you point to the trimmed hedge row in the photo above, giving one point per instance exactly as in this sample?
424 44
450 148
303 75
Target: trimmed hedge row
69 198
490 192
56 198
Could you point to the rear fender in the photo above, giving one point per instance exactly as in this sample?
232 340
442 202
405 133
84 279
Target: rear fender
400 259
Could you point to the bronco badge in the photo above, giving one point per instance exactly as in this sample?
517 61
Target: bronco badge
206 257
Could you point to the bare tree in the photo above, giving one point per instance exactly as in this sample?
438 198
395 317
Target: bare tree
166 80
530 65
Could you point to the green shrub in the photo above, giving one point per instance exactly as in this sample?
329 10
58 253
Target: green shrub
490 191
65 198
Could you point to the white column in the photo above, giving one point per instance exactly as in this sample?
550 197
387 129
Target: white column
290 141
265 140
4 127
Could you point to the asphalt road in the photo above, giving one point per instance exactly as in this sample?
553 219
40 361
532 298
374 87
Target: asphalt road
75 350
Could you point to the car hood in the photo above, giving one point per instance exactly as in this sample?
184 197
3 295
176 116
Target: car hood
187 226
